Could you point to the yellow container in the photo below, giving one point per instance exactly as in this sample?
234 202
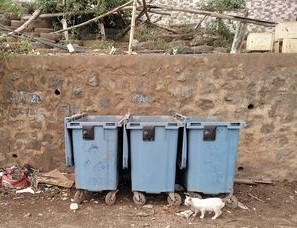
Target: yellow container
260 42
286 30
289 46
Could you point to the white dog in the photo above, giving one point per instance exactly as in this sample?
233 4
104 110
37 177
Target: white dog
211 204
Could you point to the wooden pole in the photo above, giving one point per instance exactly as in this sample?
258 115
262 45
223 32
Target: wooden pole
145 10
102 30
64 25
27 23
200 22
132 28
215 14
95 18
127 29
239 36
164 28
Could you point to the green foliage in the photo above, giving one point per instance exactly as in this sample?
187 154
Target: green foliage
105 5
219 28
104 45
223 5
24 45
162 44
100 6
10 6
146 34
47 6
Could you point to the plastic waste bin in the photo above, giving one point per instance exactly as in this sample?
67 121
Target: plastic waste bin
153 150
91 144
211 155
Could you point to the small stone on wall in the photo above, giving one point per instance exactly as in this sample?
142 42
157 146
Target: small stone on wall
94 79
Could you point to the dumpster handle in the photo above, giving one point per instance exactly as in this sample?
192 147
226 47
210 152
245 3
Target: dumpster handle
124 120
183 164
78 116
180 116
68 144
183 120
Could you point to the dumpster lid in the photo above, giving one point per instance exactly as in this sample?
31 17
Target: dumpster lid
94 120
200 122
140 121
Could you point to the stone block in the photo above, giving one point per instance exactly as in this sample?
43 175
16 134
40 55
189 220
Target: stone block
16 23
93 79
139 98
33 144
208 88
38 31
36 125
205 104
104 102
42 23
51 36
48 138
77 91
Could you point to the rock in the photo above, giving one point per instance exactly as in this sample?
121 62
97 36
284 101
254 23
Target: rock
188 90
27 215
221 50
77 91
148 206
94 79
267 128
73 206
201 41
208 88
232 98
139 98
202 49
105 102
142 214
205 104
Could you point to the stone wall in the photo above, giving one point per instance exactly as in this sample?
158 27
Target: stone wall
271 10
37 92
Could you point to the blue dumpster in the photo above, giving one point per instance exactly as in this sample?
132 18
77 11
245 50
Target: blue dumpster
211 155
91 144
153 151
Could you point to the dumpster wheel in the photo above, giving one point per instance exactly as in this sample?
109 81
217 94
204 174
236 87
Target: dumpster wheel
174 199
111 197
139 198
232 202
195 195
78 196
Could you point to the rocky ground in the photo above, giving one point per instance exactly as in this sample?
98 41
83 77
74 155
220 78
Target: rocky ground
275 206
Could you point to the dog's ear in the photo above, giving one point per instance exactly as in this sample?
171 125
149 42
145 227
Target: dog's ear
188 197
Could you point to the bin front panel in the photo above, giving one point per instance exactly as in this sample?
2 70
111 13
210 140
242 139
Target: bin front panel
153 162
211 159
96 160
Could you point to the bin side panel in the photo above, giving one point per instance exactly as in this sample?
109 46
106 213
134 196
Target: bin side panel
68 145
96 160
153 163
211 164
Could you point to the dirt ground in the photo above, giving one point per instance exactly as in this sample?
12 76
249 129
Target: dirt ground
50 208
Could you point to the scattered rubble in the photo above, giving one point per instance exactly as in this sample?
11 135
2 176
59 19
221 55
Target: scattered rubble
26 190
186 214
